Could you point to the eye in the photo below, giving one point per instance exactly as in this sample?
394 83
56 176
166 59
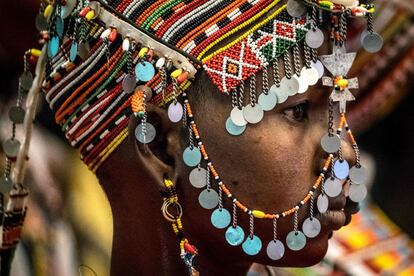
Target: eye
297 113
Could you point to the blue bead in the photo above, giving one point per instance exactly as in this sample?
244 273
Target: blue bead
234 235
233 129
144 71
192 157
60 26
53 46
73 52
341 169
220 218
252 246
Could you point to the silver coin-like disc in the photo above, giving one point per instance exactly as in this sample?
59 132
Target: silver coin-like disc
208 199
128 83
357 192
314 38
303 84
237 117
146 137
5 184
310 74
372 42
83 50
296 240
233 129
253 114
341 169
280 91
175 112
333 186
41 22
26 80
17 114
67 9
322 203
331 144
198 177
275 250
267 101
319 67
311 227
358 175
292 85
147 91
296 8
11 148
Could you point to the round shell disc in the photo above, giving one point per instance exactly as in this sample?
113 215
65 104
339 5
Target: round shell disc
128 83
220 218
333 187
373 42
5 184
237 117
253 114
83 50
26 80
311 227
11 148
192 157
175 112
73 52
341 169
292 85
148 137
198 177
234 235
233 129
296 240
322 203
17 114
54 46
252 246
144 71
208 199
275 250
60 26
319 67
303 84
310 74
295 8
67 9
147 91
282 92
41 22
267 102
357 192
314 38
358 175
331 144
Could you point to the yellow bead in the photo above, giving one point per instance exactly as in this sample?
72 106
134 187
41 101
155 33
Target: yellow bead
176 73
343 83
35 52
258 214
142 52
48 11
90 15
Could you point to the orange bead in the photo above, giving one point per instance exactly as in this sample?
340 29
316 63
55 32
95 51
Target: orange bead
112 36
182 77
84 11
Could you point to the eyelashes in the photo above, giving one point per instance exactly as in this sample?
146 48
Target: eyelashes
297 113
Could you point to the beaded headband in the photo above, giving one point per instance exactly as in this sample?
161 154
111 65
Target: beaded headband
108 59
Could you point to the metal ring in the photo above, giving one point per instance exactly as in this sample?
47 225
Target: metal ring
168 215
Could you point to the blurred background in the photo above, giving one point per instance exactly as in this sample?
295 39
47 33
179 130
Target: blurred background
69 226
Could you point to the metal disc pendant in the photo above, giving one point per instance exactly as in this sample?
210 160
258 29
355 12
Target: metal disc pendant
233 129
237 117
67 9
314 38
322 203
311 75
53 46
234 235
252 246
275 250
341 169
41 22
11 148
73 52
281 92
5 184
291 85
372 42
319 67
311 227
358 175
83 50
296 240
147 91
17 114
303 84
208 199
26 80
220 218
331 144
175 112
267 101
128 83
198 177
295 8
60 26
253 114
144 71
357 192
149 135
333 187
192 156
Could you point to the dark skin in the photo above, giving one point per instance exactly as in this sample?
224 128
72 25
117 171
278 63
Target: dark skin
270 167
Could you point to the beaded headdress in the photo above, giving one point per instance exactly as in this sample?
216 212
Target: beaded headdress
105 60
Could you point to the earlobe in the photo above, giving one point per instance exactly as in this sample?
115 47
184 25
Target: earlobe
158 158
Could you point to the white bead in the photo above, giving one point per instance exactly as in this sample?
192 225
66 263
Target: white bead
125 45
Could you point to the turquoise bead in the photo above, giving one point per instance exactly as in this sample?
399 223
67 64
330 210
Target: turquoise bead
192 157
53 46
220 218
234 235
296 240
144 71
73 52
252 246
234 129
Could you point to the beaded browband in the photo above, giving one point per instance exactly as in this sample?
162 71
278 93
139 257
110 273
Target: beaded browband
108 59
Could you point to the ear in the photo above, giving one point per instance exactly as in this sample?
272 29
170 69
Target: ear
159 158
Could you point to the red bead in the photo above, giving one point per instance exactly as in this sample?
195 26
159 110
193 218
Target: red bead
189 248
182 77
112 36
84 11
